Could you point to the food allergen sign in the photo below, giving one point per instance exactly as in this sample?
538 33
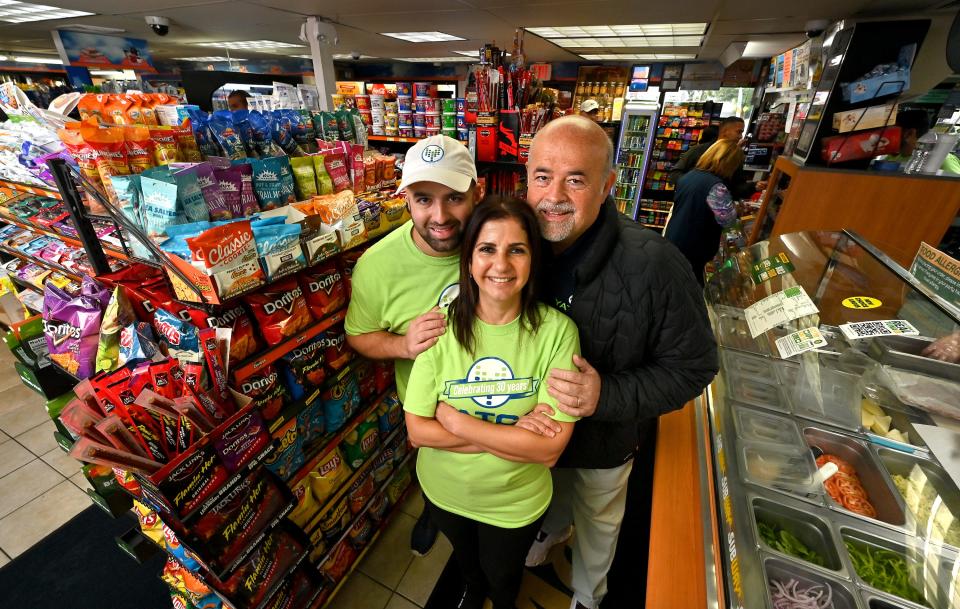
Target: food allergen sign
939 272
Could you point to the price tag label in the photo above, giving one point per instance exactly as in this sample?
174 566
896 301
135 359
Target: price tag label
771 267
800 342
776 309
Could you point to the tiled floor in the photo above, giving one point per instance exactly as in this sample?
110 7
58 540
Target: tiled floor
41 489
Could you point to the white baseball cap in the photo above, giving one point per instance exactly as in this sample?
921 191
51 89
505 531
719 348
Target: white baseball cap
589 106
439 159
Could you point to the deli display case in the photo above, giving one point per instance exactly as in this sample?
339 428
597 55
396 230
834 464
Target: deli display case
821 488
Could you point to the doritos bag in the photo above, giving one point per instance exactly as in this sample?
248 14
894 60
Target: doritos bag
244 341
280 310
324 289
72 327
266 391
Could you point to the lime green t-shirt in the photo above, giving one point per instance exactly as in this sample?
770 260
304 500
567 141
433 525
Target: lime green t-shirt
393 284
505 380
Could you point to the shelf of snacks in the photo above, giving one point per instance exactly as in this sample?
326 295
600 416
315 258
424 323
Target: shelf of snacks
405 112
678 129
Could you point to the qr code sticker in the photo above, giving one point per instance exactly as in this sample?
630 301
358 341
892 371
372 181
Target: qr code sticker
899 327
869 328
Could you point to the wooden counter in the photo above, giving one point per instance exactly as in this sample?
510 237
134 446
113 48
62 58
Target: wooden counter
677 572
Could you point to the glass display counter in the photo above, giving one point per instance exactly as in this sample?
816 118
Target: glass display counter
827 493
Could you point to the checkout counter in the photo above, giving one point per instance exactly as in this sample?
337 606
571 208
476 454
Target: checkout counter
825 479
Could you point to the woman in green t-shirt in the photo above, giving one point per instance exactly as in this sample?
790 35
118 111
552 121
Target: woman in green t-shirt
487 481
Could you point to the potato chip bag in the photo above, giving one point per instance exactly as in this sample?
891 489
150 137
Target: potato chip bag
147 114
389 415
71 326
329 476
187 147
337 170
244 341
357 169
361 533
303 369
305 179
345 124
378 508
86 158
111 153
116 108
227 137
306 506
324 183
336 351
340 401
165 149
341 557
139 148
362 442
280 310
91 106
118 314
360 493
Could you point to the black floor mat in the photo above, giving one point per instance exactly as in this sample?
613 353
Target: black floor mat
79 566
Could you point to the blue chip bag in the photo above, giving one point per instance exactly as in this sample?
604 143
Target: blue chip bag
340 400
278 246
389 415
261 136
159 205
281 127
227 136
303 368
182 338
311 426
200 125
137 344
288 457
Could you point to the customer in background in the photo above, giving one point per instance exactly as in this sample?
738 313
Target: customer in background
703 205
237 100
487 480
590 109
913 125
731 128
403 284
647 349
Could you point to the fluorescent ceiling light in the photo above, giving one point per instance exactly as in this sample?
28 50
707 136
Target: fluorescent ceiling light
628 42
210 58
422 36
639 56
91 29
249 44
648 29
24 12
435 59
49 60
469 53
344 56
769 48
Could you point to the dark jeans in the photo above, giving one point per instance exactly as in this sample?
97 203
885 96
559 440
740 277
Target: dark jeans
490 557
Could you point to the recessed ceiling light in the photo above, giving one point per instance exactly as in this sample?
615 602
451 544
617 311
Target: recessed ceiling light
435 59
12 11
422 36
250 44
208 58
45 60
648 29
638 56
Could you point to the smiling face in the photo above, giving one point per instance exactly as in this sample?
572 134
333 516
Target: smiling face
500 261
568 177
439 216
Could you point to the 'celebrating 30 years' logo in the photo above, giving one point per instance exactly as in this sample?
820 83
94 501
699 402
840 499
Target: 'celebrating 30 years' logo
490 383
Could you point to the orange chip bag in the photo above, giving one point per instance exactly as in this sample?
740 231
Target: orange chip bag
280 310
85 155
134 111
334 207
139 148
111 153
91 106
165 149
147 115
115 110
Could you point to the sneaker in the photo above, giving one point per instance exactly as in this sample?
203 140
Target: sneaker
543 543
471 600
424 535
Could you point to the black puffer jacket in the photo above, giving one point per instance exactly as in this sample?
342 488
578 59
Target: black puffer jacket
643 325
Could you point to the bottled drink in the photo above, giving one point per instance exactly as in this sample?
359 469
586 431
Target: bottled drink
925 145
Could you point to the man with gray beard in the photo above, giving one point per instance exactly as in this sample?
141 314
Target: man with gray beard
647 349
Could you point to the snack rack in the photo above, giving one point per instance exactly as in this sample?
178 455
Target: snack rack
324 562
678 128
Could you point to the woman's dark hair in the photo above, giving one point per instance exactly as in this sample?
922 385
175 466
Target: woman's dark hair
463 310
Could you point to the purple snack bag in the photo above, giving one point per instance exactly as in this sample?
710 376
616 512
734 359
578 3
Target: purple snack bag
210 189
91 288
248 199
231 185
72 329
242 440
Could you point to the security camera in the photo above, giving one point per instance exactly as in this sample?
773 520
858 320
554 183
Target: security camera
816 27
159 25
355 54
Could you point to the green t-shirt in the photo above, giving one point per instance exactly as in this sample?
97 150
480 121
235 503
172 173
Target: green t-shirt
393 284
505 380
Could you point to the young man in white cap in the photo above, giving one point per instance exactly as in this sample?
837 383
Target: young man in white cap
590 109
401 283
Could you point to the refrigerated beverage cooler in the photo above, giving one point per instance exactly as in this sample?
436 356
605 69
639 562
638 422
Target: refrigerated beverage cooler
633 155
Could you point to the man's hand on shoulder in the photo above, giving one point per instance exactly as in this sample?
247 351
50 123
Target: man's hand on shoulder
424 332
577 392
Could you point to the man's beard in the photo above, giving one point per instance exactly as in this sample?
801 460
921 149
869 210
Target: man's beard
441 245
555 231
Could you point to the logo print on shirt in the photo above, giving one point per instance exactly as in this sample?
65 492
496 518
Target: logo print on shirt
490 383
448 295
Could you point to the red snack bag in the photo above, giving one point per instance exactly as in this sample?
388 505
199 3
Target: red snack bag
163 384
116 433
357 169
88 451
348 260
218 374
86 158
280 310
324 289
267 391
243 341
337 353
337 170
